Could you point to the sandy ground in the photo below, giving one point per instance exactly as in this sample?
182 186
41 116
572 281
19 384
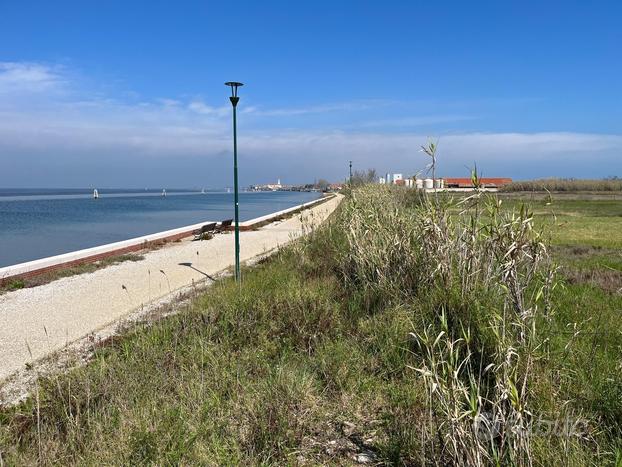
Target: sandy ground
38 321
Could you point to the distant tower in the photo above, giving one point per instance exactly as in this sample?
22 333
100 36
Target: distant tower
278 181
164 193
95 194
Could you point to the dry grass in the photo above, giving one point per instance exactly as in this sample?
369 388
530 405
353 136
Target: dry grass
565 185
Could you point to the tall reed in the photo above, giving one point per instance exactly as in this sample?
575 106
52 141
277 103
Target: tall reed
564 185
487 278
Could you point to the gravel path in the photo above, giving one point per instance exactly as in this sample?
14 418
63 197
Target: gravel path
37 321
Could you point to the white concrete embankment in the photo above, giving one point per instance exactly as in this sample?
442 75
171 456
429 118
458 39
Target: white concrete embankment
110 249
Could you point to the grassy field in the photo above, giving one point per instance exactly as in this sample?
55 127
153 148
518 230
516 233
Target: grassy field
594 223
586 242
407 330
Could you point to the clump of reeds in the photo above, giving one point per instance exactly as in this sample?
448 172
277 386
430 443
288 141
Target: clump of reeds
487 277
565 185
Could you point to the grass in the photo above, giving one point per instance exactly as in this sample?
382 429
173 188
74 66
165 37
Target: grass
389 334
595 223
34 281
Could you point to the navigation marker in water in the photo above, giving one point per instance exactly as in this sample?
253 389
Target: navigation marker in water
95 194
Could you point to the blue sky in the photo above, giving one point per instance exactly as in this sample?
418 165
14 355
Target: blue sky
131 93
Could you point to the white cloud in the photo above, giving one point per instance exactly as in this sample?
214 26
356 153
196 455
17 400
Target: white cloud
28 77
36 120
423 120
201 107
519 155
318 109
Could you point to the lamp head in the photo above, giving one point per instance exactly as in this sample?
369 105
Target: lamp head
234 91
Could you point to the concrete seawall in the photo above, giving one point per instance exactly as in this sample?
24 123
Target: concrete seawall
90 255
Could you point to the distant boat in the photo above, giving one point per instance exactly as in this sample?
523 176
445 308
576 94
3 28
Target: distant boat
164 193
95 194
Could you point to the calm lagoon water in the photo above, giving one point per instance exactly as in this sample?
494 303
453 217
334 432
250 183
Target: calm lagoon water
39 223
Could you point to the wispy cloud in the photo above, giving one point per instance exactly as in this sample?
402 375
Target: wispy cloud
319 109
45 111
202 108
414 121
29 77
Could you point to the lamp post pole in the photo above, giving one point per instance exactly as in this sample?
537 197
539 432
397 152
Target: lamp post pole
234 102
350 174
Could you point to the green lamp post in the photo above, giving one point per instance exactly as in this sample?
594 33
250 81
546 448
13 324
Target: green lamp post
234 102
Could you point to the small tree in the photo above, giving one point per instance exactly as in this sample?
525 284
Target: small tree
363 177
322 184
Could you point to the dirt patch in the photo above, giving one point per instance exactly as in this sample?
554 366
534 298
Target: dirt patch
581 251
609 280
586 264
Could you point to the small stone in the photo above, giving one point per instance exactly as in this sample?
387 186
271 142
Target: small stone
365 457
348 428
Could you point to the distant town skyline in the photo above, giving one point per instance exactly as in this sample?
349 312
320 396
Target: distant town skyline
131 94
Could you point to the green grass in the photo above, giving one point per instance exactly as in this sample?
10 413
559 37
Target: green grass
236 378
596 223
587 330
311 360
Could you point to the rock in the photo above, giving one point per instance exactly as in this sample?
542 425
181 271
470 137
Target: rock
348 428
365 457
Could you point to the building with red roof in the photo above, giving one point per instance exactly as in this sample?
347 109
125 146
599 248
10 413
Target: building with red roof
453 182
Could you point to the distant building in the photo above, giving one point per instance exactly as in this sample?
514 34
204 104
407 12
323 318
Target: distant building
270 186
396 178
382 181
453 182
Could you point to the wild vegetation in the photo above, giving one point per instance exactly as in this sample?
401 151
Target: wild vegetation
565 185
410 329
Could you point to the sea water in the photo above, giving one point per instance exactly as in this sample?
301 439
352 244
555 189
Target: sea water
36 223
